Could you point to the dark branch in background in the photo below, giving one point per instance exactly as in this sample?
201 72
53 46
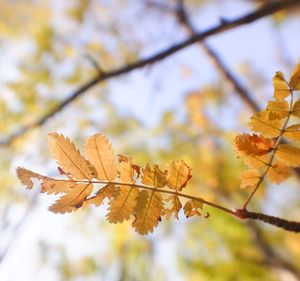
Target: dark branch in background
265 10
216 59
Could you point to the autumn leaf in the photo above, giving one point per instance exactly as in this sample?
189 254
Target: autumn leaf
99 152
153 176
293 132
250 178
54 186
179 173
193 208
246 144
25 176
173 206
108 191
281 88
148 211
296 109
280 107
289 154
279 172
269 124
73 199
295 78
68 157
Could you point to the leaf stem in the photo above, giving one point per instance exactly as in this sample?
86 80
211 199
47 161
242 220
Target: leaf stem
278 140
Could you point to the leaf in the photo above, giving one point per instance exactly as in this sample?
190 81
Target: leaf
295 78
179 173
192 208
250 178
123 203
289 154
174 208
73 199
25 176
256 162
281 88
280 107
99 152
267 123
278 173
55 186
108 191
296 109
148 211
153 176
293 132
68 157
246 144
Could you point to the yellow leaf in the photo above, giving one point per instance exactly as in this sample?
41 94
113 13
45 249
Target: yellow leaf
288 154
148 211
267 123
246 144
123 204
99 152
250 178
73 199
278 173
293 132
108 191
256 162
25 176
192 208
174 208
178 175
296 109
68 157
50 186
281 88
153 176
295 78
281 107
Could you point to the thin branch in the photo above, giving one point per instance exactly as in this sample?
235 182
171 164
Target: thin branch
265 10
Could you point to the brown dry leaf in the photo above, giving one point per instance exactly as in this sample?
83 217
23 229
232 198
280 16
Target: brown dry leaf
174 208
267 123
153 176
68 157
179 173
250 178
192 208
289 154
296 109
99 151
295 78
293 132
123 203
246 144
25 176
73 199
148 211
281 88
279 172
54 186
280 107
257 162
108 191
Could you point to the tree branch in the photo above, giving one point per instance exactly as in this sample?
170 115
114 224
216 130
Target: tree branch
292 226
183 18
265 10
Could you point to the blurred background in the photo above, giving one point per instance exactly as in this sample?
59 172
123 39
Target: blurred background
188 106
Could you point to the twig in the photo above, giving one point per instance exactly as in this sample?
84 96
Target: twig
265 10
